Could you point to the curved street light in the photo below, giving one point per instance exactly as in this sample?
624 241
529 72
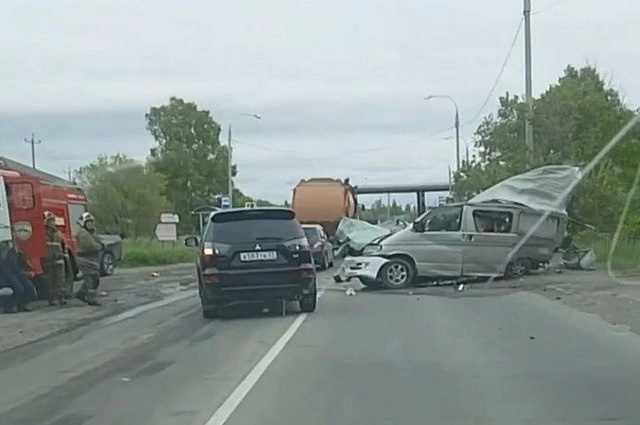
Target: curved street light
230 159
457 122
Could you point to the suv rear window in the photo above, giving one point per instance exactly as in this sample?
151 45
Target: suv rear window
249 226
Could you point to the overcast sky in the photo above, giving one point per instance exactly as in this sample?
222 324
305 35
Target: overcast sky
339 83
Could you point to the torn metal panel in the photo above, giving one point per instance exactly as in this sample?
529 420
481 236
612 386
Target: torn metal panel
357 233
547 188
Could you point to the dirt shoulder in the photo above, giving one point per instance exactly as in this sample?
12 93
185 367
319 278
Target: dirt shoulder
613 297
126 289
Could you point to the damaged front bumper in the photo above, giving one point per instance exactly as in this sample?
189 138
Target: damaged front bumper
366 267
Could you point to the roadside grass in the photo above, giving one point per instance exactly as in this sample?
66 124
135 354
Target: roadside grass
142 252
625 256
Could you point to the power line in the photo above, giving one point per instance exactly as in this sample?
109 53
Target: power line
266 148
347 152
550 7
429 136
499 76
489 95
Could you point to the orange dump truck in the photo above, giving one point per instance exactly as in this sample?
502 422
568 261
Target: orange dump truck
324 201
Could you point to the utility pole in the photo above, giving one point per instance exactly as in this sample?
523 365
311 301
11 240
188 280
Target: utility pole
388 206
456 123
528 129
230 167
33 142
230 164
457 139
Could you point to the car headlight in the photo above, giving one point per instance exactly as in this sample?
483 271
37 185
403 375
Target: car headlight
371 249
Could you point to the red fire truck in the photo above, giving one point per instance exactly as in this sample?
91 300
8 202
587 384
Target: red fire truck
29 193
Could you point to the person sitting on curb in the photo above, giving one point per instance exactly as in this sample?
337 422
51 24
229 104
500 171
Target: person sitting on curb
14 275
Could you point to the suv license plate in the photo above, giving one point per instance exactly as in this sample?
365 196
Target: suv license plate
258 256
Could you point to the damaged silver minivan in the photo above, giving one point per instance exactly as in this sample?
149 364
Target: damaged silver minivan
484 237
462 240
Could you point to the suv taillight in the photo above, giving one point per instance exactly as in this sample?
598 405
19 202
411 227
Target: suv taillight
211 278
209 250
306 273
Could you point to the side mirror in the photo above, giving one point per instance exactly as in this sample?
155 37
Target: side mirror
191 242
419 226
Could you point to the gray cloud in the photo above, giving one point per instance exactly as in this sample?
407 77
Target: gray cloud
339 83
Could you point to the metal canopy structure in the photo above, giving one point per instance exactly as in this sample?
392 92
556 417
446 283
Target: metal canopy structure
203 211
375 189
418 189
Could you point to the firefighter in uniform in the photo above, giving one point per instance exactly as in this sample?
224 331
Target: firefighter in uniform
68 270
54 272
89 248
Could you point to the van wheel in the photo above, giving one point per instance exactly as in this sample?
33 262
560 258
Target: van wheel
397 274
107 264
517 268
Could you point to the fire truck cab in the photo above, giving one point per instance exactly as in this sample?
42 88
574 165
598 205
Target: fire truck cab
27 199
25 195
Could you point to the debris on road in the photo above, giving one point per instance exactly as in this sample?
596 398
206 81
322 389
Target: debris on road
350 292
575 258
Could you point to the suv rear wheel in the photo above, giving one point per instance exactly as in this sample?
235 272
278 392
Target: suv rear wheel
209 311
308 302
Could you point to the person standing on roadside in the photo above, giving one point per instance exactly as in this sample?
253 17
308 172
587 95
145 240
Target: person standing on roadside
54 269
89 248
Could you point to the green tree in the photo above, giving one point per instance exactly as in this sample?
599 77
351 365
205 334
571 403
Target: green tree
125 196
572 122
189 154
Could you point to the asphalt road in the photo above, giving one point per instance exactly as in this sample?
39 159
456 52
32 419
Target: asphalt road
374 358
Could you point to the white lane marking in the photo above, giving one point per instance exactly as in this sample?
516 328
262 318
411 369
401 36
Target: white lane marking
146 307
225 410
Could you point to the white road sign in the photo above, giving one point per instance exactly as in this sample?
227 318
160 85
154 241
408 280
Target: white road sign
167 232
169 218
225 202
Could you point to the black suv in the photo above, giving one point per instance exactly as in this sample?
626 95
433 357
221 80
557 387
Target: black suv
253 255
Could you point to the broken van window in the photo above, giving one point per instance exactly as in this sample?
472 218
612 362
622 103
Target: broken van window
493 221
444 219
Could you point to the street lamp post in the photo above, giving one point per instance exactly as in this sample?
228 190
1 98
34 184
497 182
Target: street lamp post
230 159
457 123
